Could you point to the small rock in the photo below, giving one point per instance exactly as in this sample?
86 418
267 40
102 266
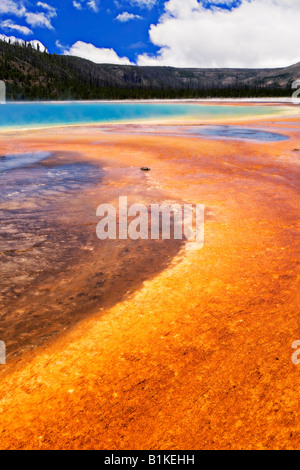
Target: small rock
145 168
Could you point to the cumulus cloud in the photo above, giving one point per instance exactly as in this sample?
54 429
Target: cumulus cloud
253 33
13 40
95 54
9 24
125 16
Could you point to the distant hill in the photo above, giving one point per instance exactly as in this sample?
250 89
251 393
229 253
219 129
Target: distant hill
34 75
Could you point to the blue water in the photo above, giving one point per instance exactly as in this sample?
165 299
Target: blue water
38 176
9 162
33 115
224 132
238 133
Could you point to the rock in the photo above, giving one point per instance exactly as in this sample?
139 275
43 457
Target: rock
145 168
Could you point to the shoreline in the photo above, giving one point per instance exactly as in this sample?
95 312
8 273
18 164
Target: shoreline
184 100
176 120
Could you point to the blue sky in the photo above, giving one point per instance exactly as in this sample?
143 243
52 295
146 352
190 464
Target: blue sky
184 33
127 35
97 22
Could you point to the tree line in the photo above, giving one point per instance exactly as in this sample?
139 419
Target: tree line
34 75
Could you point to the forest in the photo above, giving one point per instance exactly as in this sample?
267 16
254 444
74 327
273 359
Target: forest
32 75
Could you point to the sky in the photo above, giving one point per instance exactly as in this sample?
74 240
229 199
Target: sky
179 33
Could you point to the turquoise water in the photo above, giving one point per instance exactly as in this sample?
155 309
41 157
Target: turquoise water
33 115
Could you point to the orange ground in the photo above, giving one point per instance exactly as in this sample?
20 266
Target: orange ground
199 357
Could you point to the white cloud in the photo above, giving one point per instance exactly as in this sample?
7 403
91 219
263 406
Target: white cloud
9 24
125 16
59 44
12 7
257 33
51 11
144 3
77 5
35 44
96 54
13 40
91 4
38 19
